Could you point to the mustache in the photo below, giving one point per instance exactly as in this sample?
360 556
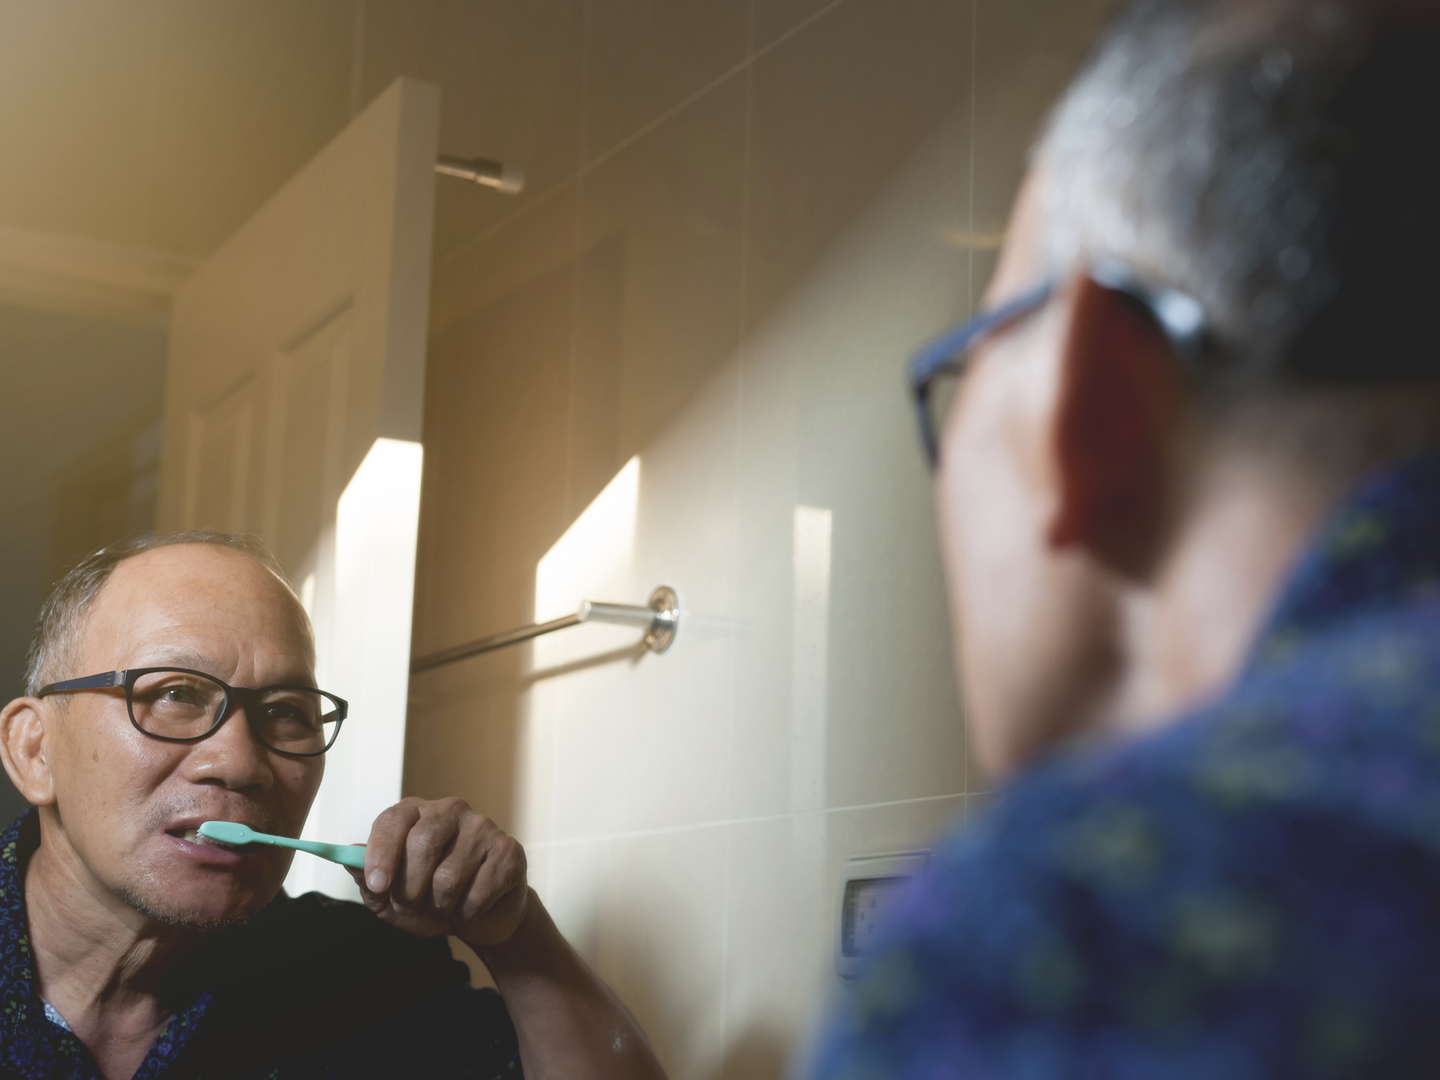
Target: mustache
225 809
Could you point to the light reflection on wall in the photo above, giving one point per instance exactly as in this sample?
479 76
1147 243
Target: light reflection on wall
810 658
595 552
593 560
363 651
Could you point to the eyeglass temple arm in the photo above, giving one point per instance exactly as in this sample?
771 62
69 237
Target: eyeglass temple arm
928 438
936 355
88 682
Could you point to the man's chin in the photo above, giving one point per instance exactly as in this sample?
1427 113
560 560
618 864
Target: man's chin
199 901
195 912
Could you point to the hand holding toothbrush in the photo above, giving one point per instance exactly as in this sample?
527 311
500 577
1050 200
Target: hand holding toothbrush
439 867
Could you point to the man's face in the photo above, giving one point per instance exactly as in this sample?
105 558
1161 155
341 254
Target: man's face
1032 621
125 800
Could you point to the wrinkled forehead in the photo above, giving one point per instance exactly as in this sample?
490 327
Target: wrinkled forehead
190 603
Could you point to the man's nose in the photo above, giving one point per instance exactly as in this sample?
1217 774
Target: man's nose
231 757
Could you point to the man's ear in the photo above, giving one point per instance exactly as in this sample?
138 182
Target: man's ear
22 747
1117 404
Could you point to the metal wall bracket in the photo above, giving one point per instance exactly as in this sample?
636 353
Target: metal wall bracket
660 620
499 175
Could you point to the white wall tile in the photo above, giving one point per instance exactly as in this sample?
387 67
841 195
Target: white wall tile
647 913
852 266
781 914
748 275
644 57
509 76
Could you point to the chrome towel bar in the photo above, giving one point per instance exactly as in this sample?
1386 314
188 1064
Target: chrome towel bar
660 620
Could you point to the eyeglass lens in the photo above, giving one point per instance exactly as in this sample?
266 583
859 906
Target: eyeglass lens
180 705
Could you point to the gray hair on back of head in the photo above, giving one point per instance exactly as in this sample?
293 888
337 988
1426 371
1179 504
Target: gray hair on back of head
1268 158
62 616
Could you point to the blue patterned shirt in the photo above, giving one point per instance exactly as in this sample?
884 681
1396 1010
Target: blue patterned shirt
1252 892
310 989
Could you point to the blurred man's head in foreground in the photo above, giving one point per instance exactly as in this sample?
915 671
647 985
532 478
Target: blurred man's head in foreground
1116 515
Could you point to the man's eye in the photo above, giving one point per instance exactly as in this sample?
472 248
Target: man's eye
174 694
283 713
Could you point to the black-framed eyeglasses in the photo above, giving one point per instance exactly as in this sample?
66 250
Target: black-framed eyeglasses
184 706
936 368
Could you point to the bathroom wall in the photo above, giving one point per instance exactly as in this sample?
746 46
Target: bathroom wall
79 460
677 359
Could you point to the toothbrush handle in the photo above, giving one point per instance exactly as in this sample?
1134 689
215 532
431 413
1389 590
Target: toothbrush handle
344 854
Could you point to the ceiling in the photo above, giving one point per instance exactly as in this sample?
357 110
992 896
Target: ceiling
163 124
139 134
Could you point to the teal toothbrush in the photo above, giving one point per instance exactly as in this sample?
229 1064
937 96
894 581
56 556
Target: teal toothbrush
231 832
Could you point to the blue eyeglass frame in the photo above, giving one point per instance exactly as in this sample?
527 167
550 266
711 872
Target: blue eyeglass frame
1179 315
127 677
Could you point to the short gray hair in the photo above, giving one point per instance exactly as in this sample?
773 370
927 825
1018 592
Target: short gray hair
62 616
1269 158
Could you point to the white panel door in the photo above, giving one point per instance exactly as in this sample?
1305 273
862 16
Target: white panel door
293 410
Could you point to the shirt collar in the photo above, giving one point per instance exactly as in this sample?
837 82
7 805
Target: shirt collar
1380 549
24 1028
17 970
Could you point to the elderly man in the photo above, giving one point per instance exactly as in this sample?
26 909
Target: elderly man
171 683
1190 506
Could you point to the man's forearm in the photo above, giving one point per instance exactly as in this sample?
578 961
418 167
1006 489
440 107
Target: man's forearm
570 1024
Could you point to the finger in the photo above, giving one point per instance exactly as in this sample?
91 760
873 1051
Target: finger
386 846
427 843
501 873
452 878
376 903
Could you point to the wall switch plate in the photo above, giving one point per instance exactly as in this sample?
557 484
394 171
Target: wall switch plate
867 884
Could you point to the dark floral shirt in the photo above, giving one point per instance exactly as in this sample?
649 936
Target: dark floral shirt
1252 892
310 989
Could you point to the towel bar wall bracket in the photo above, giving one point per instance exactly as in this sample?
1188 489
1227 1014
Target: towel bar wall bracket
660 619
500 175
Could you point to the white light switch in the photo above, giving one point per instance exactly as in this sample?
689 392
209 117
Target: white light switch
867 886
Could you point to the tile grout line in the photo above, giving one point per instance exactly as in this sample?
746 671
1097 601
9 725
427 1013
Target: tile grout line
741 350
974 89
605 155
735 531
575 254
466 246
714 84
600 159
809 20
557 695
726 823
151 133
969 313
357 58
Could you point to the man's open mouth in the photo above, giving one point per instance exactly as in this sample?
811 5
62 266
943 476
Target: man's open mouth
193 836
